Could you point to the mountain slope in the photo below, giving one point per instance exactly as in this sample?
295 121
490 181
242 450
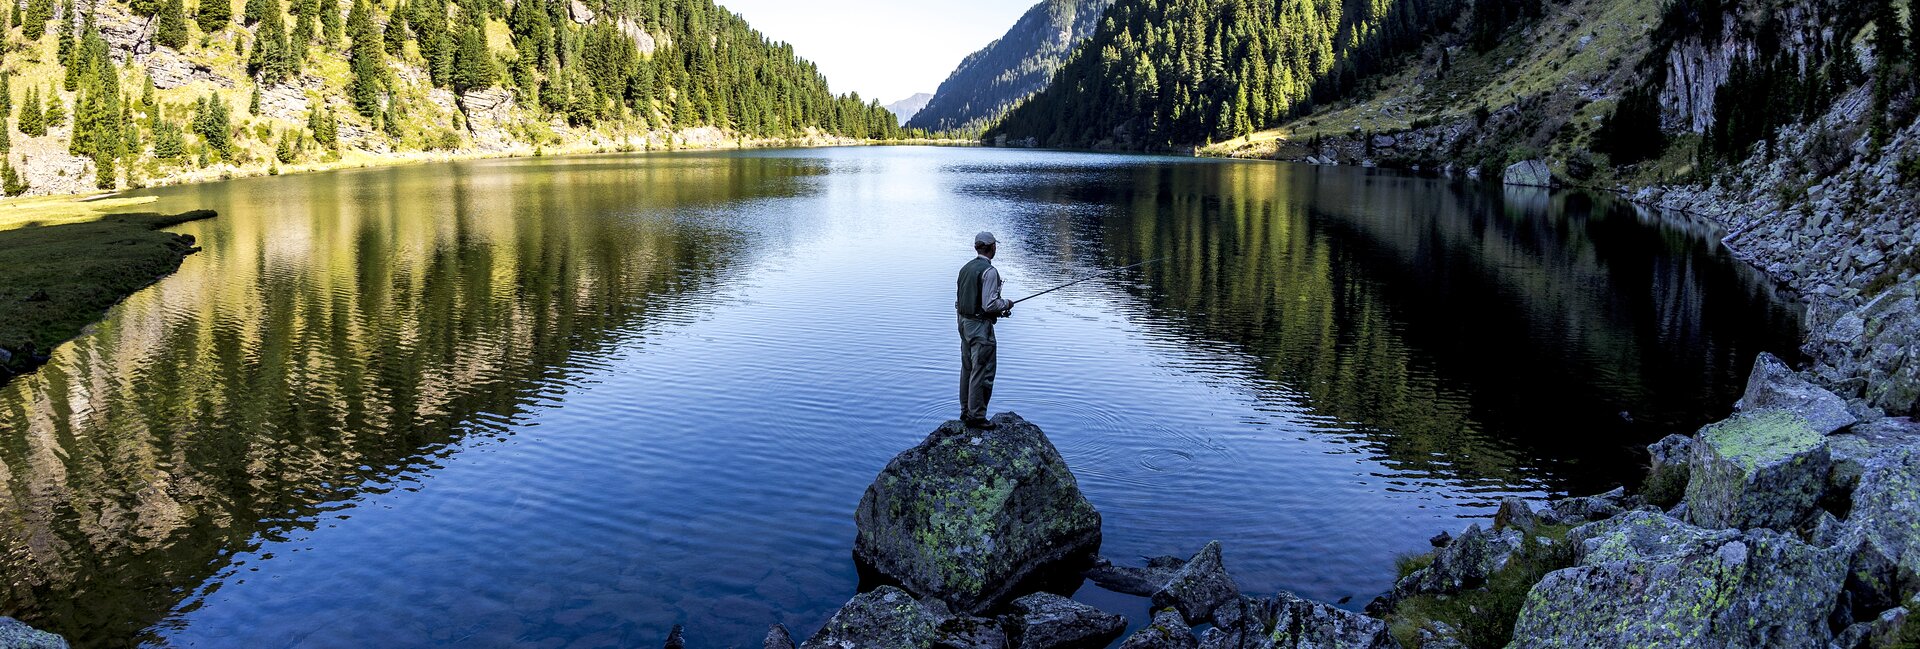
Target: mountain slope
154 91
1161 73
1008 70
905 109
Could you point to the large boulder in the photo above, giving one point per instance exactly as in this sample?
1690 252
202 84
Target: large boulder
1886 511
15 634
1774 386
1528 173
1198 587
1763 468
1892 628
1049 621
1645 579
884 618
967 515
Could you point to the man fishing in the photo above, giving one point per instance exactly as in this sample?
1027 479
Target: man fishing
979 304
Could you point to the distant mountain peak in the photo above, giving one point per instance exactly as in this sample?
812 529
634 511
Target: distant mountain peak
905 109
1005 72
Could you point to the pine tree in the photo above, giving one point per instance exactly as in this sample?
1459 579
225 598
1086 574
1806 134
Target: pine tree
6 95
390 120
473 64
32 116
168 141
272 58
212 123
1890 69
171 28
329 20
6 136
284 152
258 10
303 30
364 60
34 23
213 15
145 8
68 51
253 101
56 111
11 182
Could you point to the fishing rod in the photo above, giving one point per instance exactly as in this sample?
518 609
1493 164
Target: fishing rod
1103 273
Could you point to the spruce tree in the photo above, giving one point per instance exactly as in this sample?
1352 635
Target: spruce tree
32 116
212 123
364 60
34 23
213 15
258 10
168 142
11 182
303 29
6 136
6 95
272 58
473 64
1890 69
329 20
171 28
390 120
56 111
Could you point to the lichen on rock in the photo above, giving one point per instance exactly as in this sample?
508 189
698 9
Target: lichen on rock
884 618
967 515
1758 469
1648 579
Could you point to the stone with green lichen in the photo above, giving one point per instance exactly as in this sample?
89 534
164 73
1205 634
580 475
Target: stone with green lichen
1774 386
1764 468
885 618
967 515
1645 579
15 634
1886 510
1167 631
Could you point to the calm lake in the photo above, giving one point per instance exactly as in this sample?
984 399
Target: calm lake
570 402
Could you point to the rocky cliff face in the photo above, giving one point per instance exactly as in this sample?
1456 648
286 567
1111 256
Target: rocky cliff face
1008 70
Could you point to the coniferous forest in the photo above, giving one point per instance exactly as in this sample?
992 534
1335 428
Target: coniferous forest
1164 72
392 76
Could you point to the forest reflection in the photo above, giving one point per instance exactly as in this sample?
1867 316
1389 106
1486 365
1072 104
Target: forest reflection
339 335
1503 338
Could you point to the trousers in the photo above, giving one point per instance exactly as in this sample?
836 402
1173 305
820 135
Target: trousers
977 367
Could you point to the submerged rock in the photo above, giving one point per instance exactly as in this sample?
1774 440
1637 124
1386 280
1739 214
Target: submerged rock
1649 580
676 639
1139 582
967 515
15 634
1049 621
884 618
1758 469
1774 386
1198 587
1167 631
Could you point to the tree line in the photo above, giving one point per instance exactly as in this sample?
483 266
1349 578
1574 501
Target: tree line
706 67
1161 73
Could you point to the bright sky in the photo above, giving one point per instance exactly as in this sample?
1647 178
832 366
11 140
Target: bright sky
885 49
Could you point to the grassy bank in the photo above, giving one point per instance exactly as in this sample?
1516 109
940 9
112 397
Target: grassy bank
63 264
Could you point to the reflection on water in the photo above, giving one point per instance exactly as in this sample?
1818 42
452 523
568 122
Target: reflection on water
571 402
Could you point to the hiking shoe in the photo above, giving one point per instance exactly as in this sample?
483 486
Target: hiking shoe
981 423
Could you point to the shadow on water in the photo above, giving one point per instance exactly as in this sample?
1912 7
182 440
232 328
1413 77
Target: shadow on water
1503 337
316 355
